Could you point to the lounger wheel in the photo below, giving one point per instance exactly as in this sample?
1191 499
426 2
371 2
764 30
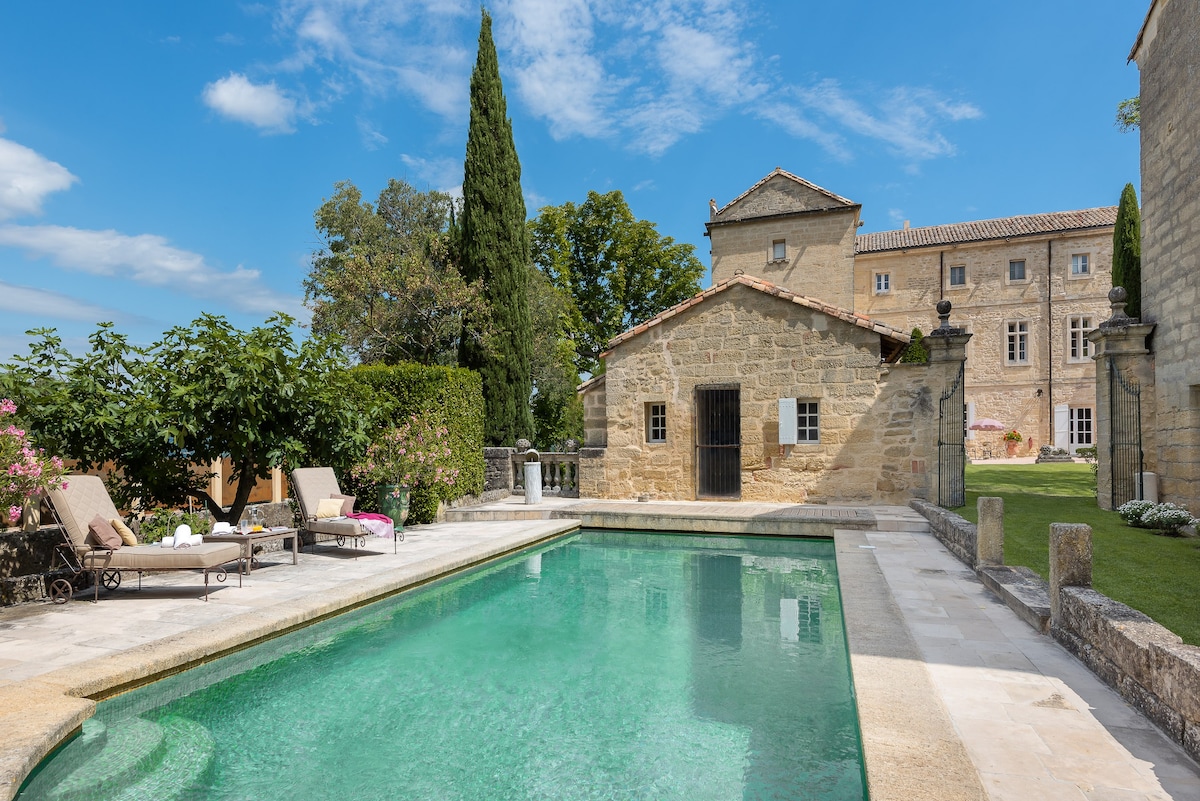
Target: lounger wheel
111 579
61 591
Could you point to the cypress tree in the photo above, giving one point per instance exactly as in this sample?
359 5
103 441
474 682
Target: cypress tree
1127 251
495 248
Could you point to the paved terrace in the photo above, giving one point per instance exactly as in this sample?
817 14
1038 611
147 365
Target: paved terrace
958 698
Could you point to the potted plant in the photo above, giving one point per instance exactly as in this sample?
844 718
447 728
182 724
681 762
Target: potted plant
1012 439
25 471
411 455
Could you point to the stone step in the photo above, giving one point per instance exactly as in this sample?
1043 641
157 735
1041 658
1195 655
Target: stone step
129 748
188 757
51 774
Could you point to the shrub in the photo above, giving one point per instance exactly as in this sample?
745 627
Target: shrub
1132 512
1012 436
439 397
164 522
1167 519
915 352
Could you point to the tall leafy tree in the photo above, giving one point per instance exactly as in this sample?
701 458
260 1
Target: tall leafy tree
1127 251
1129 114
618 270
385 277
494 248
557 409
160 415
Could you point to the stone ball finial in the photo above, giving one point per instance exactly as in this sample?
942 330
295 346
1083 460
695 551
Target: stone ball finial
1116 299
1117 295
523 445
943 307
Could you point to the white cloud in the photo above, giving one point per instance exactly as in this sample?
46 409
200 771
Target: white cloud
444 175
146 259
905 118
372 137
26 177
46 303
264 106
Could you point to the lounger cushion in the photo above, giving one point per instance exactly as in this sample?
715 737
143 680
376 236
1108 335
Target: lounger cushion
347 503
152 557
127 536
343 528
328 507
101 533
85 498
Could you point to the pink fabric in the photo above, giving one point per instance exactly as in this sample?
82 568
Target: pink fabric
379 525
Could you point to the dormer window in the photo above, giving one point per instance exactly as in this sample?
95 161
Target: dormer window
779 250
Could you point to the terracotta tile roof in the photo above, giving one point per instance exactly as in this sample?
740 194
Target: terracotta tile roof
983 230
803 196
860 320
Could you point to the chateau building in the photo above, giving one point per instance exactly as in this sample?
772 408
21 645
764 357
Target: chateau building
1029 289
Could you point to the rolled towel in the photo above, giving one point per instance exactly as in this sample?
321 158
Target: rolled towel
196 539
168 542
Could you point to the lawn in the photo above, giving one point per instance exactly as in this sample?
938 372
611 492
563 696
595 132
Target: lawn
1159 576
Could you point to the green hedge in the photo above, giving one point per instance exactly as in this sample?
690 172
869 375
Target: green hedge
448 396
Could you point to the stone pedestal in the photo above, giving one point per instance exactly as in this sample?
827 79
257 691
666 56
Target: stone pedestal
1070 562
989 532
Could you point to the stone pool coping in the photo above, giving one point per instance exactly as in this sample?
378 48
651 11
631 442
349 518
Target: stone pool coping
911 748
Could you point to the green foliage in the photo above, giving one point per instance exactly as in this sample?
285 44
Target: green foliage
494 248
386 278
1129 114
1092 457
1127 251
1155 575
440 396
557 409
164 522
616 268
160 415
916 352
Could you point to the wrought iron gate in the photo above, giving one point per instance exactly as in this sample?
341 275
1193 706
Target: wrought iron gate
1124 436
952 449
718 442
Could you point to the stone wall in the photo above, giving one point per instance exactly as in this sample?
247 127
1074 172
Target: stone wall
820 253
986 304
1169 60
497 469
878 423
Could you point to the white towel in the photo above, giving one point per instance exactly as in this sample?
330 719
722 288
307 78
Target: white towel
168 542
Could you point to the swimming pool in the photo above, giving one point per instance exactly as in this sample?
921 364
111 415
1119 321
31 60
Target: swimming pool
604 665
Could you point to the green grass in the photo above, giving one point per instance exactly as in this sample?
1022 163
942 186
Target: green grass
1156 575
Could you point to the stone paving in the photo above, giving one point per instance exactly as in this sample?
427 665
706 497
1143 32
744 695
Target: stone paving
1034 722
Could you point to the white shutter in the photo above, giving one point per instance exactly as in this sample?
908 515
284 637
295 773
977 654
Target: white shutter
970 419
787 421
1062 423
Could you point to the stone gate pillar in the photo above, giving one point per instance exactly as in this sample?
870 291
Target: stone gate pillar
1120 345
947 347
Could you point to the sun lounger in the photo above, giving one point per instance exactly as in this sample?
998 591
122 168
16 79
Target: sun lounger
314 484
85 498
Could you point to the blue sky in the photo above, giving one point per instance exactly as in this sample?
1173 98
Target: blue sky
158 159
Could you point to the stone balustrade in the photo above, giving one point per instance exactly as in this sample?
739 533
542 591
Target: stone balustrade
560 473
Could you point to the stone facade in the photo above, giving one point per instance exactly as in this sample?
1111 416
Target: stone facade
897 277
877 421
1168 56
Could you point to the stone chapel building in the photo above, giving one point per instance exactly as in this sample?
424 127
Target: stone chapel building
781 381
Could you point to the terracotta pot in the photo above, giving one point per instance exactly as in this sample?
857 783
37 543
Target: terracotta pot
1010 447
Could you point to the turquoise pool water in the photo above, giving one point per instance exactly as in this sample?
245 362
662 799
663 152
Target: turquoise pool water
606 665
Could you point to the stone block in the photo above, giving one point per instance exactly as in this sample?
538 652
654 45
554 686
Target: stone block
989 540
1070 560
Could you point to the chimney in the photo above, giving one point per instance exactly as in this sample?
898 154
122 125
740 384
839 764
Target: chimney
906 225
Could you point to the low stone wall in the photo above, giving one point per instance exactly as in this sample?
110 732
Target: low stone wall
958 535
1147 664
497 469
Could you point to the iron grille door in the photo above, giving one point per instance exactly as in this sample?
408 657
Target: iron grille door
719 442
952 450
1124 436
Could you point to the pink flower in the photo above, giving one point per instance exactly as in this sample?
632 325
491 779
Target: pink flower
14 514
7 406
